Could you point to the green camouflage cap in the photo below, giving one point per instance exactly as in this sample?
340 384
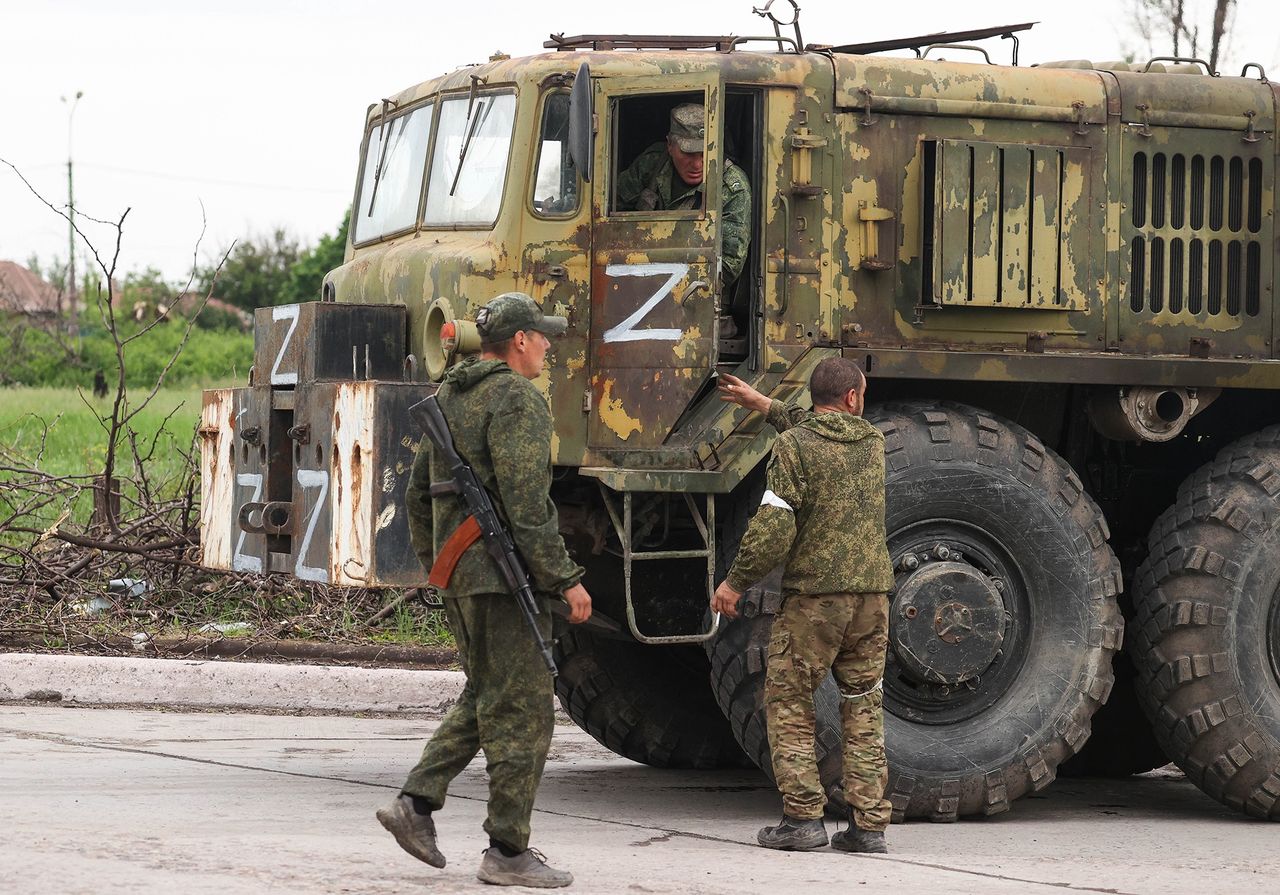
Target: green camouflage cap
689 127
510 313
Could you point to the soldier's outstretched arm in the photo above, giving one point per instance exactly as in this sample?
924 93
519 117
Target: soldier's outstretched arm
735 391
772 530
779 414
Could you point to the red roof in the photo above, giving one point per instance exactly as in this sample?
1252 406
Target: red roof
21 290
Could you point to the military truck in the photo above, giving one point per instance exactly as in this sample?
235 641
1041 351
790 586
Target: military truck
1059 279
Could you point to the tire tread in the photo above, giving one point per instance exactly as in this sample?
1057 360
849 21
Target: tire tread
1185 594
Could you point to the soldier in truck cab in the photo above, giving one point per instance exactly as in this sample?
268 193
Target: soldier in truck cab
668 175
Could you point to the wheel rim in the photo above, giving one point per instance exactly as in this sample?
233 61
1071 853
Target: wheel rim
958 622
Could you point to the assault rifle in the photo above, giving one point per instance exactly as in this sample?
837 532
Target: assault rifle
483 522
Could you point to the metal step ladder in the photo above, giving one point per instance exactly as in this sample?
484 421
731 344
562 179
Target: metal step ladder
706 528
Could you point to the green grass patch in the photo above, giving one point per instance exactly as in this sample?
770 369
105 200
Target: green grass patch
59 430
415 625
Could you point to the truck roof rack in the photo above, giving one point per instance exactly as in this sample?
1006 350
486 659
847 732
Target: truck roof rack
721 43
917 43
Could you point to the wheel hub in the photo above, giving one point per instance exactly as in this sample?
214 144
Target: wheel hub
949 620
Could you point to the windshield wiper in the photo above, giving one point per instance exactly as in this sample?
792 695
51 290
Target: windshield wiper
383 145
473 123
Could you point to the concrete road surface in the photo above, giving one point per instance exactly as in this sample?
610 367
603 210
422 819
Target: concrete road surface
98 800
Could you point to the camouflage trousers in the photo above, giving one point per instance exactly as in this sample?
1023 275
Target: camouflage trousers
847 635
505 710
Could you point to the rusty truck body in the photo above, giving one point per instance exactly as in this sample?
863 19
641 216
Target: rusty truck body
1060 281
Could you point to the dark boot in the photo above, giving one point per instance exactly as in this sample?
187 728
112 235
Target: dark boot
862 842
416 833
794 835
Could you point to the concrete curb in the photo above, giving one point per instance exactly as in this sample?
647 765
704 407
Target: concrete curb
98 680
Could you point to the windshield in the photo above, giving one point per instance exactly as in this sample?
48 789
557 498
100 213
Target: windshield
469 164
389 198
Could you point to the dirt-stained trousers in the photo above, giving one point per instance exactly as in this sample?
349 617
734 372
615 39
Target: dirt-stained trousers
846 634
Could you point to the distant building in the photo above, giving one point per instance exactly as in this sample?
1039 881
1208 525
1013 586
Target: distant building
24 292
189 303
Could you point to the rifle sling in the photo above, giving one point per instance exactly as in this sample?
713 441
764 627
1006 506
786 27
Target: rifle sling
447 559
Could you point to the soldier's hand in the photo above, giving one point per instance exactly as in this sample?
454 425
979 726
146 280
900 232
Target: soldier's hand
725 600
735 391
579 604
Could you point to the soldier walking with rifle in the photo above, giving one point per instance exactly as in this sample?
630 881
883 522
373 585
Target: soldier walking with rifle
485 466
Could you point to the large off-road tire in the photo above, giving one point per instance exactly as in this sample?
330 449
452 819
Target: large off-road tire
1206 636
1122 742
738 657
1003 621
647 703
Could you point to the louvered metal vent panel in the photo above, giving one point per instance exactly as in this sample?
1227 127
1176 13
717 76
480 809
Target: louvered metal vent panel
1004 218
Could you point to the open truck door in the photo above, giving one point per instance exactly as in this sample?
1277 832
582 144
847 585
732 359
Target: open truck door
655 279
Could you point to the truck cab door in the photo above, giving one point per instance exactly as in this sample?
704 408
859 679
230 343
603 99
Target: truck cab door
655 279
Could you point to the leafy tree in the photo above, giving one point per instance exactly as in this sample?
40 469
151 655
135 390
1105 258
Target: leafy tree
309 270
276 270
256 273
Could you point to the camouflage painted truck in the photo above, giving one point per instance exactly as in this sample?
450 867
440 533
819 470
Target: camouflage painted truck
1060 280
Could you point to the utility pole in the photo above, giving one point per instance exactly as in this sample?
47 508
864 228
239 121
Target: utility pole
71 218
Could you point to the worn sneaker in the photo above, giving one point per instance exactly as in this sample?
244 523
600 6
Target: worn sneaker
862 842
794 835
415 833
529 868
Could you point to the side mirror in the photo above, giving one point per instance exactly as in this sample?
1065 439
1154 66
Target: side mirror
581 114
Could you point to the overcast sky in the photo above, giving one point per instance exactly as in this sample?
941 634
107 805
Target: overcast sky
254 109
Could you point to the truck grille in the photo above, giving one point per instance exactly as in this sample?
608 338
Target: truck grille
1191 249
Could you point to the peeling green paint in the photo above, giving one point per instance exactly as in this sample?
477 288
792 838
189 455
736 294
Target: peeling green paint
908 205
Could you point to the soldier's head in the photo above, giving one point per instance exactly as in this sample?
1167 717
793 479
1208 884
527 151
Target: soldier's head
838 386
686 141
513 328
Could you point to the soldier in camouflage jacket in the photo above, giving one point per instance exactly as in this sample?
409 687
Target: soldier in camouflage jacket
822 519
668 175
501 426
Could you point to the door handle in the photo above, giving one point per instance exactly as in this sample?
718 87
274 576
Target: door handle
552 272
692 289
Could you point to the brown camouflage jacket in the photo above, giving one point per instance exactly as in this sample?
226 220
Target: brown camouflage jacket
501 426
823 510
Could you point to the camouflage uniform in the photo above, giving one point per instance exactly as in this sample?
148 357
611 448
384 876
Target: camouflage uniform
650 183
501 426
823 516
